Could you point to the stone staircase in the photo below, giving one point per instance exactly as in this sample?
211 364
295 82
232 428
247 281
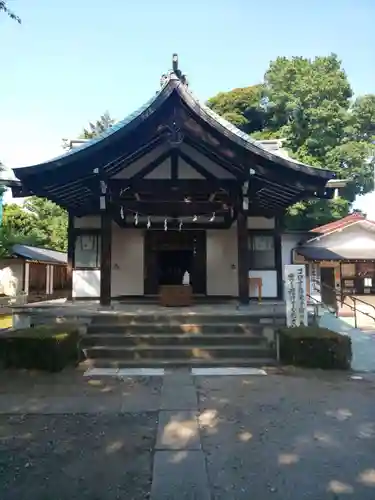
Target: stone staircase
158 340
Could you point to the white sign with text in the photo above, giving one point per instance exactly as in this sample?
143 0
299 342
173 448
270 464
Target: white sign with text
295 295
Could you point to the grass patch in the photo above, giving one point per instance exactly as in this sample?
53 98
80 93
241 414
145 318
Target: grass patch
6 321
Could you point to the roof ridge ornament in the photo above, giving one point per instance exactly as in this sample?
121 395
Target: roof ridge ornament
175 72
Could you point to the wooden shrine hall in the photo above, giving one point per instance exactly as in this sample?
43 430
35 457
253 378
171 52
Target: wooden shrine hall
172 188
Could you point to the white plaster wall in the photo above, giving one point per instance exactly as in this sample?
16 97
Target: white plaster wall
222 261
87 222
288 242
269 283
11 273
354 237
260 223
127 261
86 283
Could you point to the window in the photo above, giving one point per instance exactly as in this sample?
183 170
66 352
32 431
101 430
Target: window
87 251
262 248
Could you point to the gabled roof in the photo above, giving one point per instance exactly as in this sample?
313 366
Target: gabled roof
173 85
70 179
324 246
38 254
341 224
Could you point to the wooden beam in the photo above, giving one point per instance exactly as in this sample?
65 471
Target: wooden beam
164 187
233 168
151 166
174 164
105 258
199 168
243 257
168 208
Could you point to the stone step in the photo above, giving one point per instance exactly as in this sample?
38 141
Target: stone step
178 328
128 340
178 352
256 316
180 362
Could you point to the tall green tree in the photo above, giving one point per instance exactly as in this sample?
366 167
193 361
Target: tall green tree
5 9
38 222
96 128
309 104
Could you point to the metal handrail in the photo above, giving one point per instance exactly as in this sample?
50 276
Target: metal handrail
316 305
342 298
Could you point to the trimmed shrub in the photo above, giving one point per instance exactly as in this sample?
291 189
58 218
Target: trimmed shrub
315 347
46 347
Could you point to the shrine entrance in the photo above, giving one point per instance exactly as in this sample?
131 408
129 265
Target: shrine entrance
169 254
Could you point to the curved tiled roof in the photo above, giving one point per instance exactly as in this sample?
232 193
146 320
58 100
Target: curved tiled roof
171 84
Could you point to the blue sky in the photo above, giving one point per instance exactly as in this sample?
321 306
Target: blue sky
71 60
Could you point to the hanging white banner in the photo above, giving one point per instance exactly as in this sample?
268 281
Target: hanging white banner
295 295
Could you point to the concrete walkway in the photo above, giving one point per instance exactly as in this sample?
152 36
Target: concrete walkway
363 341
179 463
308 434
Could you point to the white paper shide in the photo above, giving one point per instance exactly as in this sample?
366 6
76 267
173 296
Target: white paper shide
295 295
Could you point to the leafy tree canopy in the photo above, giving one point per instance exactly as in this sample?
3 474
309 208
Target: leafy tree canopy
97 128
309 104
38 222
4 8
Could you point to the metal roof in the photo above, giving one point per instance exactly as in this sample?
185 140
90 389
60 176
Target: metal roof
40 254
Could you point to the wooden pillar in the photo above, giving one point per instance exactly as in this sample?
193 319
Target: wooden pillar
26 283
105 258
71 246
243 257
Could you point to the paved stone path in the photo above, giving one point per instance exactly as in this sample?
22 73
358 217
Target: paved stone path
307 434
363 341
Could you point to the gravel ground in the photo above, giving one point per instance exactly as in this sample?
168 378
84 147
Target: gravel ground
60 457
298 435
281 438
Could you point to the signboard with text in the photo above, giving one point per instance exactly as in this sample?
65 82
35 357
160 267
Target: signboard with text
295 295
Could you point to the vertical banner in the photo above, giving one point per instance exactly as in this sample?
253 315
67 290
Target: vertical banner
315 282
295 295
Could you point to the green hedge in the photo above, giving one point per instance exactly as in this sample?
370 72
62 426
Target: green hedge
315 347
47 347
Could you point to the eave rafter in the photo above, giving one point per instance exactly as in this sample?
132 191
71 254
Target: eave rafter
176 129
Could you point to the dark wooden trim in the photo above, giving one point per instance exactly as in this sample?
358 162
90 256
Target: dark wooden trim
198 168
105 258
276 233
24 275
82 231
233 169
173 208
164 186
243 257
151 166
174 164
279 257
174 224
70 254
